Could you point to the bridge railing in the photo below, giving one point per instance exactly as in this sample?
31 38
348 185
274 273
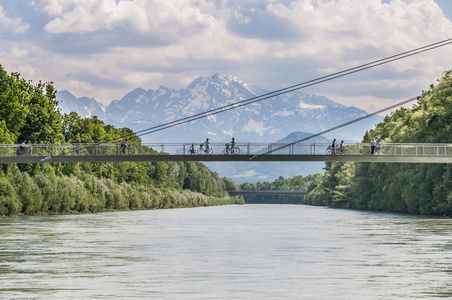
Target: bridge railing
402 149
81 149
76 149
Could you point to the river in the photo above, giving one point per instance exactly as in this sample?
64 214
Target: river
226 252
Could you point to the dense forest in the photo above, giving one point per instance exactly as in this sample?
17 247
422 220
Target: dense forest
398 187
391 187
29 112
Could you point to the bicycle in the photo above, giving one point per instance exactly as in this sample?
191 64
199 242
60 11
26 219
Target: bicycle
230 150
202 150
125 150
336 151
342 151
191 151
22 151
330 151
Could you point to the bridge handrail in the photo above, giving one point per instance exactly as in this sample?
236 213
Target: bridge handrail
254 148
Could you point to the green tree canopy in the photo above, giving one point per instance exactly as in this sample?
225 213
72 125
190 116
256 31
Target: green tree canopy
407 188
29 111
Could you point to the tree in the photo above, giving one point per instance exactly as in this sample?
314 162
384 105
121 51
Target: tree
14 99
29 111
407 188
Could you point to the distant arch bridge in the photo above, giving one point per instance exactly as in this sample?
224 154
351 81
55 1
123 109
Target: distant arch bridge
267 193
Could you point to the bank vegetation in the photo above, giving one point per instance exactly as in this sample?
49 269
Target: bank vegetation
419 189
29 112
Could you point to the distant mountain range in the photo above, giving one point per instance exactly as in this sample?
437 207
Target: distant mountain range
267 121
285 118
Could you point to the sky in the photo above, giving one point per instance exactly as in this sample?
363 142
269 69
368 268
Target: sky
104 49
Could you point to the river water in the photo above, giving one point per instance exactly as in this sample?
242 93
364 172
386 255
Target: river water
226 252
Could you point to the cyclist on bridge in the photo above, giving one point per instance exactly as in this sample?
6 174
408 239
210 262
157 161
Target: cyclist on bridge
22 148
342 147
124 145
192 149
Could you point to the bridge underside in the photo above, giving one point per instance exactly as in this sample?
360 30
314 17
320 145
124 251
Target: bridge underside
220 158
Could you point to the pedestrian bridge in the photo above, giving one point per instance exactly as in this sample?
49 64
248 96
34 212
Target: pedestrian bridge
255 152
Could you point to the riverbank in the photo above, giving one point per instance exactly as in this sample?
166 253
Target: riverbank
52 189
229 201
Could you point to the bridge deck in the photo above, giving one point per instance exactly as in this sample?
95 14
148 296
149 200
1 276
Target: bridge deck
224 158
254 152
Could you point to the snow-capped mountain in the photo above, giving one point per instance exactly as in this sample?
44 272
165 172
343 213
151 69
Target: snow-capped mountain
84 106
266 120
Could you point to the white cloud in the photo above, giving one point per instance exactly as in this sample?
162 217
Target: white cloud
165 18
16 52
54 7
106 48
336 27
340 34
91 16
11 25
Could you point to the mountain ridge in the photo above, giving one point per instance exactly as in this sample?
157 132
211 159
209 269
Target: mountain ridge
285 118
266 120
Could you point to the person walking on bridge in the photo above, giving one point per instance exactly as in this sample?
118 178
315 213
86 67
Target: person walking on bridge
334 146
233 145
372 146
207 146
378 146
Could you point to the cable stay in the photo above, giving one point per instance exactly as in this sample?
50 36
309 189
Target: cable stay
351 122
292 88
